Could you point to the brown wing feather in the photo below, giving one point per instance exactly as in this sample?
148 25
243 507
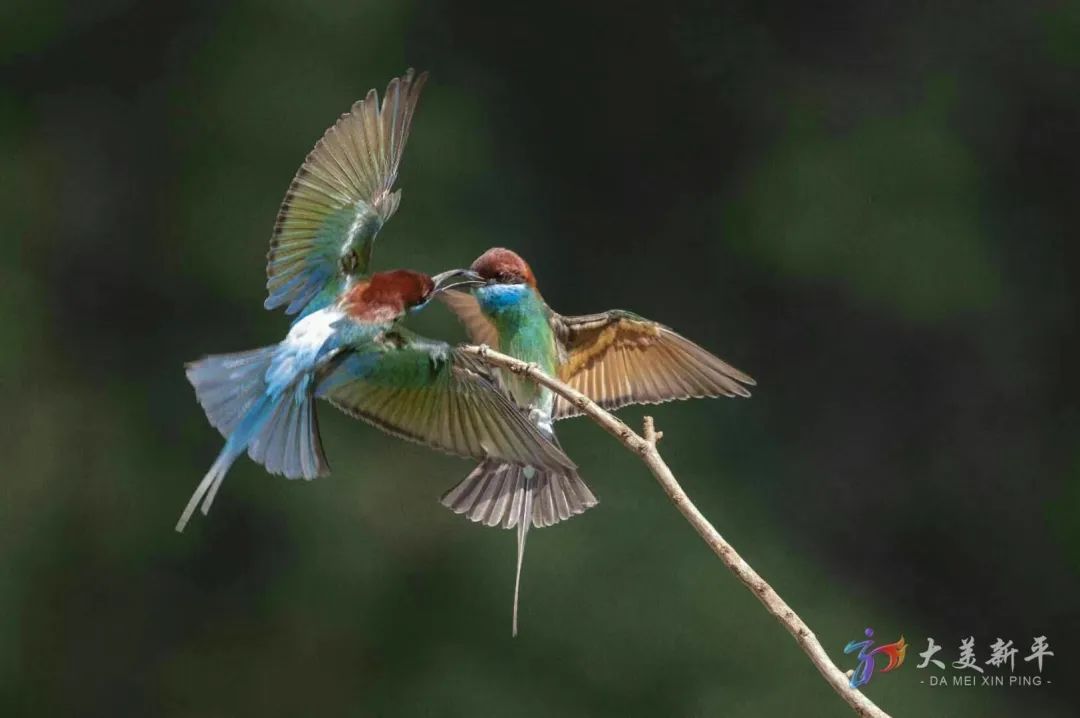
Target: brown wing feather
617 358
479 328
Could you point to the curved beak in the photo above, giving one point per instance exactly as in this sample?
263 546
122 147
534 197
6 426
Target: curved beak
455 278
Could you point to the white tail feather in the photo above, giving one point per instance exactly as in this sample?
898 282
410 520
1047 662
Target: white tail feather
207 488
523 524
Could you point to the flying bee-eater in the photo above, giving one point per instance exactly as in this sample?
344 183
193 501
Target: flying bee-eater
353 354
615 358
345 344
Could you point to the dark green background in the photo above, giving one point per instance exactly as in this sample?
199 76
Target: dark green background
870 206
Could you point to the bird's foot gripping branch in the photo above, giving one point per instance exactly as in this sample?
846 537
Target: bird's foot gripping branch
645 446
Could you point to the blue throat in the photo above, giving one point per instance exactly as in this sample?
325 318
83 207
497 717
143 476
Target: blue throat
497 298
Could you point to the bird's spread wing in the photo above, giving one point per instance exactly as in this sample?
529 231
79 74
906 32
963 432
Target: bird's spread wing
439 396
480 329
617 358
340 198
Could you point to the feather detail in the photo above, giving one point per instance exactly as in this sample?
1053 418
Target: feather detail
277 426
617 358
513 496
466 308
429 393
339 200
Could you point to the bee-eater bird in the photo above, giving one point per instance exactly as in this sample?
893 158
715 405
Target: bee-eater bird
615 358
344 344
352 353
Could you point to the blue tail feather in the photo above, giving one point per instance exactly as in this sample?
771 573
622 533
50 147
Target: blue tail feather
277 429
228 385
234 447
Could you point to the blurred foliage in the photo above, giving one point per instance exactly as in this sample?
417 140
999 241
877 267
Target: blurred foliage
906 181
867 205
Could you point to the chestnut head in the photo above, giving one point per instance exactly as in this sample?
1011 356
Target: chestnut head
385 296
502 266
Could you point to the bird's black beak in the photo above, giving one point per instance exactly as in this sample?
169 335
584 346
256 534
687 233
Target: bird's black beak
455 278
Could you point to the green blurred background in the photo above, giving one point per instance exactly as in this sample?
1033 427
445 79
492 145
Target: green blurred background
865 204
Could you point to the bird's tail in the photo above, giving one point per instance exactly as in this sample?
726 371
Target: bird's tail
229 385
279 431
514 496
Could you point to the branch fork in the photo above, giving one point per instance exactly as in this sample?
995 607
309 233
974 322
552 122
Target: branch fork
645 446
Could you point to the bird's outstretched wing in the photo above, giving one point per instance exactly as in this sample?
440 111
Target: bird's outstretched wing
465 307
433 394
617 358
339 199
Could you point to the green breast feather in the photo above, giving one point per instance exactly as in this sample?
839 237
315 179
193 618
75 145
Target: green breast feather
521 319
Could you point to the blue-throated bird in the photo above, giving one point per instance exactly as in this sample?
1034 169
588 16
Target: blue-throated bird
345 344
615 358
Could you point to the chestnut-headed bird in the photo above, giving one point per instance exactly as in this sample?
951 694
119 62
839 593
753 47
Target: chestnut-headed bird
615 358
353 354
344 344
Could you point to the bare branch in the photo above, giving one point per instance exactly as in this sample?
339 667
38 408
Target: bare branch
645 447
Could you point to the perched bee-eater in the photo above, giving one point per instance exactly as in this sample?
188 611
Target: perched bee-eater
615 358
345 344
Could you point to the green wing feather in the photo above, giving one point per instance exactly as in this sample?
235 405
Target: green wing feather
441 397
339 199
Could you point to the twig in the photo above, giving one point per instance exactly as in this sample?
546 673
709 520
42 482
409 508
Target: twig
645 447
